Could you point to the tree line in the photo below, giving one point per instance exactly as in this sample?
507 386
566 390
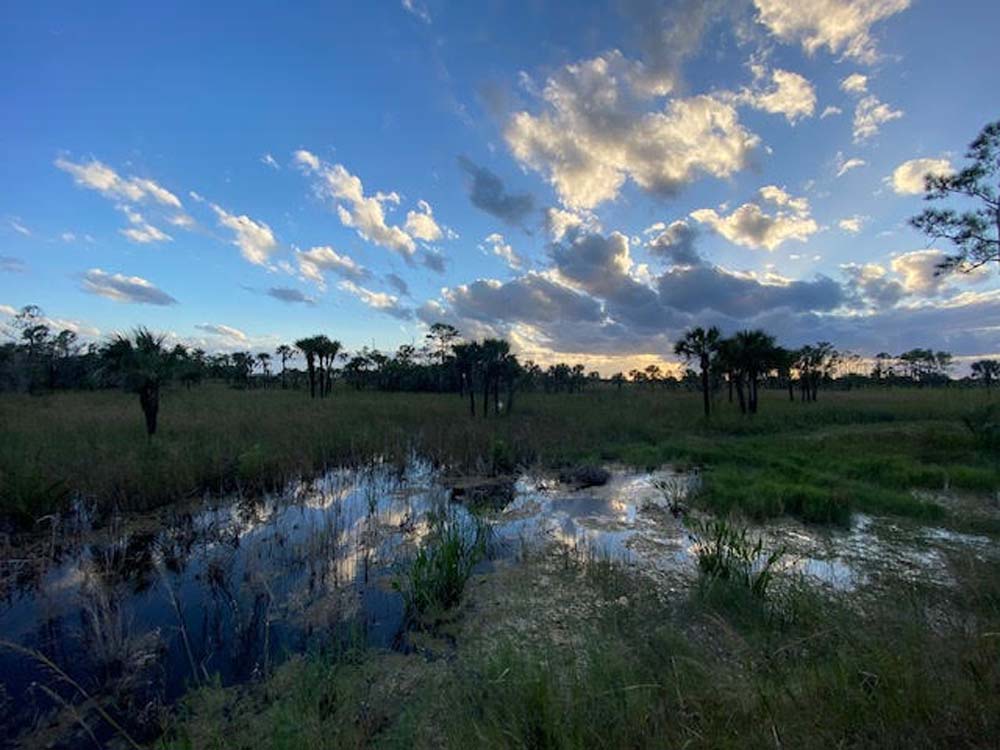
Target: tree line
485 373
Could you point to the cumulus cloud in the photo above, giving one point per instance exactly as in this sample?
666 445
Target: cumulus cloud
123 288
852 224
314 261
789 94
270 161
675 243
870 115
102 178
750 226
488 193
841 26
364 213
421 225
381 301
855 83
254 238
908 177
234 335
596 129
289 295
919 271
871 286
830 111
559 222
595 299
498 246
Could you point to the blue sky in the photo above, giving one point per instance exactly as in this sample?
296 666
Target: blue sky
587 179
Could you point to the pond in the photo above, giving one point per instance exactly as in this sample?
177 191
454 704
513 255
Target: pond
139 608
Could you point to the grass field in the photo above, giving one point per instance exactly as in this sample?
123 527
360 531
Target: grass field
564 650
859 450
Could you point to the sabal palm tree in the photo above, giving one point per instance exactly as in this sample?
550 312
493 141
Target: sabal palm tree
141 364
265 365
701 345
309 347
285 352
755 353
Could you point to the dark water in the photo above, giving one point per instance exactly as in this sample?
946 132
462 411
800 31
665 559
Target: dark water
138 609
144 608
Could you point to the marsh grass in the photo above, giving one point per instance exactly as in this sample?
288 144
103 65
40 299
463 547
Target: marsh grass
435 579
721 668
858 450
727 552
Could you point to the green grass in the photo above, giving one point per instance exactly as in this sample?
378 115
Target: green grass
721 668
859 450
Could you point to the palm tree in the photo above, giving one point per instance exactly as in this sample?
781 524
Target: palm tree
467 359
309 347
265 364
326 351
986 370
141 364
701 345
755 357
286 353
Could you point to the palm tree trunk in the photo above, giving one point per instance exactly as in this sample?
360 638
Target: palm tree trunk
742 398
149 400
704 386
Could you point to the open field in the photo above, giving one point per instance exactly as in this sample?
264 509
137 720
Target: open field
556 642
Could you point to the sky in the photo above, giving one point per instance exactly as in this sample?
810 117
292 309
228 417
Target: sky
586 179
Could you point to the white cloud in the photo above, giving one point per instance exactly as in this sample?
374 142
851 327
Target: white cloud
855 83
908 177
869 115
364 213
418 9
380 301
830 111
421 225
852 224
307 159
559 222
750 226
846 165
791 95
498 246
596 130
102 178
254 238
141 230
839 25
314 261
67 237
234 335
270 161
123 288
18 227
919 272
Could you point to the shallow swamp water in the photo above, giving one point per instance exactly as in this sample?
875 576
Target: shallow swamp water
136 609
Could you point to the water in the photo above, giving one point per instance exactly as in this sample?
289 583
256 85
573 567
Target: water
145 606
